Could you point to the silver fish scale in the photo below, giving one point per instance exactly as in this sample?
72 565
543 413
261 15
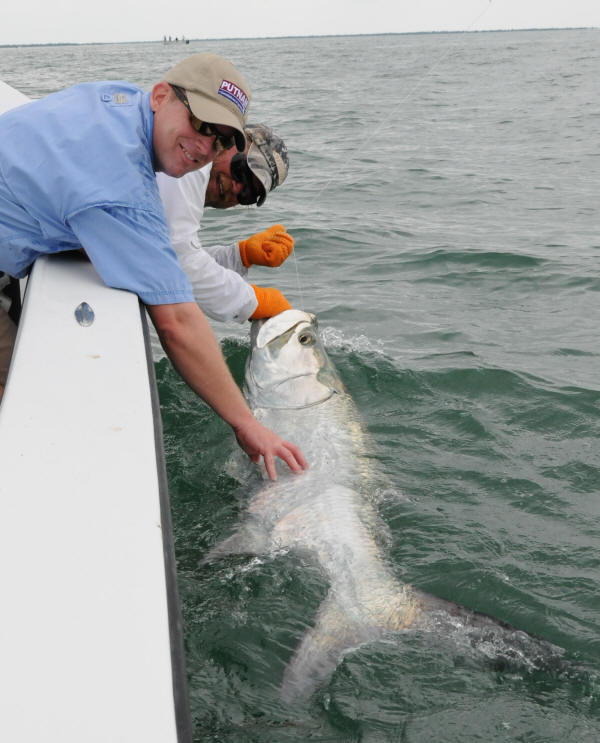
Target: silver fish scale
328 511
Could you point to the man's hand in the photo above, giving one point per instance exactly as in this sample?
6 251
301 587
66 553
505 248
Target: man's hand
268 248
270 302
257 440
190 343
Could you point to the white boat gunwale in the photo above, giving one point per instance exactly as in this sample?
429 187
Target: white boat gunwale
176 634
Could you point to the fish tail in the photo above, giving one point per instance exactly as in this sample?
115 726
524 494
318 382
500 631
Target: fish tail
496 640
434 612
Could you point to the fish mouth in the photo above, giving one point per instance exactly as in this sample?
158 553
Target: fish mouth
280 390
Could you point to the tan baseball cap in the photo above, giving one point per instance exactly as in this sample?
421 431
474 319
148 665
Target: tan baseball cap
216 91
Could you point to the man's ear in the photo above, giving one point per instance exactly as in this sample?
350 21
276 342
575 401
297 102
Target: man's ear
161 93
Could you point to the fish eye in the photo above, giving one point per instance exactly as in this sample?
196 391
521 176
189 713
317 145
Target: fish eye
306 339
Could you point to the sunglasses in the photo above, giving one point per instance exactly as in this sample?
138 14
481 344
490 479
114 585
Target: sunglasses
222 141
241 173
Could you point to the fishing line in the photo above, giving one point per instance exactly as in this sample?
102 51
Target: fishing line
417 85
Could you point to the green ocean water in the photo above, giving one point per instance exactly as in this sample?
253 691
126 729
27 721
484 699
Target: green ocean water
443 197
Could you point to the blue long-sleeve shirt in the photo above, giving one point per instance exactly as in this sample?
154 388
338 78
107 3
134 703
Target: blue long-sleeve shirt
76 170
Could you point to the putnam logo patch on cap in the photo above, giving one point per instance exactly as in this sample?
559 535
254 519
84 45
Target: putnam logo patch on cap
234 94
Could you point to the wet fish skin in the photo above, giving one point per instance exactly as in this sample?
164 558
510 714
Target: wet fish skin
292 386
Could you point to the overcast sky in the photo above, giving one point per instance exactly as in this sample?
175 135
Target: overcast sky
51 21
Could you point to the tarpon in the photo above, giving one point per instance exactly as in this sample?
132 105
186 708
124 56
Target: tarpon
292 386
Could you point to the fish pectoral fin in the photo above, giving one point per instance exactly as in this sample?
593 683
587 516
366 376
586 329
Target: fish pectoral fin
321 649
250 539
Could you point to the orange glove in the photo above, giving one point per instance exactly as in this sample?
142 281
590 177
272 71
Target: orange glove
268 248
270 302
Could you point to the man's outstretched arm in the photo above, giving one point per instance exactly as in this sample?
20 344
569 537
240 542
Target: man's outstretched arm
191 345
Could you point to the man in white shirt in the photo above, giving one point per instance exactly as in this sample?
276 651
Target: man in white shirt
218 273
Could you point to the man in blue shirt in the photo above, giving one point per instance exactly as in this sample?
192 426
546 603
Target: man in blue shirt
77 169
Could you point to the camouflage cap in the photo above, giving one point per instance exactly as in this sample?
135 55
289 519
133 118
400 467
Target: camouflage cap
267 158
216 91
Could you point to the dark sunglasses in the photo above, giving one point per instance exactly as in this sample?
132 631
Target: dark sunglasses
241 173
222 141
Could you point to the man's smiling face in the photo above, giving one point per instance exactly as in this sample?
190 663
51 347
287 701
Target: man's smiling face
222 190
178 147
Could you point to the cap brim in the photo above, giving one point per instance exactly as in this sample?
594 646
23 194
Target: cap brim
259 168
213 113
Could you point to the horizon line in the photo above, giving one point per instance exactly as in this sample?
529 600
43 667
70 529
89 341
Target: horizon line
176 40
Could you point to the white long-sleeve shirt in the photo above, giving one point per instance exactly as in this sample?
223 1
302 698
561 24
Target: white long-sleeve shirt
217 273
